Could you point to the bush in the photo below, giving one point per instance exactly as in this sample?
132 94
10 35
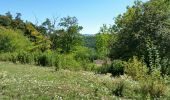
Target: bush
70 61
38 58
24 57
5 56
45 59
57 63
119 87
152 86
136 68
165 66
87 65
5 44
105 68
67 61
84 53
116 68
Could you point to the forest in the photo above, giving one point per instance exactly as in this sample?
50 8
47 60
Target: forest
129 59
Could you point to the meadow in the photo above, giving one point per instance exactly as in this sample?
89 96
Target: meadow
23 82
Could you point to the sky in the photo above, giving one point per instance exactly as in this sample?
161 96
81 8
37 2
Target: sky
91 14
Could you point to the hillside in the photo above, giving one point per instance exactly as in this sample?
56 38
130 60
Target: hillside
129 58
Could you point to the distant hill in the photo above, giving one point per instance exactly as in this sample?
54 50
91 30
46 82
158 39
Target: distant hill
88 34
90 40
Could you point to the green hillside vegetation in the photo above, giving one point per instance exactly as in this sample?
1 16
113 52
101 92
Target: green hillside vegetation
13 41
53 60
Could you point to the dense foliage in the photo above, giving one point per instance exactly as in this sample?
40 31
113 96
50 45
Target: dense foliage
140 22
45 45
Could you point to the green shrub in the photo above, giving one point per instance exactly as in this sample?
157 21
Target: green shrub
136 68
105 68
5 56
116 68
67 61
87 65
38 58
45 59
25 57
5 44
84 53
14 57
153 86
165 66
57 64
119 86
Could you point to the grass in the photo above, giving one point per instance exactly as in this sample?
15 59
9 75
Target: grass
32 82
23 82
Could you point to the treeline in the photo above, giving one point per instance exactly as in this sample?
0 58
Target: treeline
48 44
47 36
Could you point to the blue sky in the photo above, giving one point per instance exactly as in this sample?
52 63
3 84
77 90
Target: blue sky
90 13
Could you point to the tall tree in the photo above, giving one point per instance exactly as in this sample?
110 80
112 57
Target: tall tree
9 15
6 20
40 42
48 26
69 34
18 23
104 39
142 21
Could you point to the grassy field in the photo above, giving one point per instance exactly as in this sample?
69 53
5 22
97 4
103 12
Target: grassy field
31 82
28 82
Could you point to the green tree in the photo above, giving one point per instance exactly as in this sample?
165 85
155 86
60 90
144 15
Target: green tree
103 39
142 20
69 36
40 42
47 27
102 44
18 23
5 21
9 15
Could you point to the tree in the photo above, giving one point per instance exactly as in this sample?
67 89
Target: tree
142 21
102 44
6 20
69 34
18 23
9 15
40 42
68 22
103 39
48 27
